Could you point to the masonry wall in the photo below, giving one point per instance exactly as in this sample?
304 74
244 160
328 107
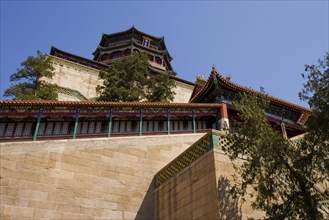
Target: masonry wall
228 207
183 92
202 191
96 178
75 76
191 194
84 79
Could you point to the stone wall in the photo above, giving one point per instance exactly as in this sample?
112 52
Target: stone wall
202 191
84 79
191 194
75 76
95 178
183 92
229 208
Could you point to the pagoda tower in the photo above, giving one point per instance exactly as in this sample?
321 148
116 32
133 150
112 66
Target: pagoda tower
119 45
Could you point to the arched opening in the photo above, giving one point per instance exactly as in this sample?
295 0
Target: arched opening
127 52
104 56
151 57
158 60
116 54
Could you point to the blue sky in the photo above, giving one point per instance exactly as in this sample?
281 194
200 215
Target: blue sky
257 43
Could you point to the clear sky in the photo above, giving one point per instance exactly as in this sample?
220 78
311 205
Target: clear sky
257 43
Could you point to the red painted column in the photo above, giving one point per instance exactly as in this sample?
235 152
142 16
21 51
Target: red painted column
223 122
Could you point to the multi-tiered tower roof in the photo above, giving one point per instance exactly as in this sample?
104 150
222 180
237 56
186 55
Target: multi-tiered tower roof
119 45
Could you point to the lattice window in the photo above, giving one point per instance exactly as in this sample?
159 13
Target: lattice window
42 127
128 128
65 128
19 129
49 128
189 125
199 125
134 125
2 129
150 126
156 125
10 129
204 125
98 129
91 129
181 125
79 127
57 128
84 128
164 126
27 129
122 126
144 126
115 127
176 125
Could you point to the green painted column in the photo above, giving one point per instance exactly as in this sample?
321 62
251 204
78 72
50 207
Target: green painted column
193 122
140 122
168 121
76 123
37 125
110 123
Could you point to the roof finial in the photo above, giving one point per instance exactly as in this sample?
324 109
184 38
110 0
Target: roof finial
200 77
213 69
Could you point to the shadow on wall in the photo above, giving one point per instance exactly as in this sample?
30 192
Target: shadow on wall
146 210
228 206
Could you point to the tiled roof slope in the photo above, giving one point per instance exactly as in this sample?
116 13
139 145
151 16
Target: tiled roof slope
238 88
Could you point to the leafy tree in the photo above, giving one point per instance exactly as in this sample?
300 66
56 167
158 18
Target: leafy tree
129 80
282 174
32 85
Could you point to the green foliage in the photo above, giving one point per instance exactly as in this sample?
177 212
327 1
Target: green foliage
128 80
31 75
316 92
281 175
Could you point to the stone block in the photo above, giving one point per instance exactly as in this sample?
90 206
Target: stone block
8 200
68 207
46 214
39 161
129 215
38 204
106 204
60 196
197 213
116 198
110 214
67 215
110 174
125 157
8 191
33 194
95 195
18 211
70 159
8 164
39 186
85 202
26 175
67 166
92 211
